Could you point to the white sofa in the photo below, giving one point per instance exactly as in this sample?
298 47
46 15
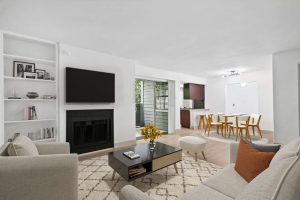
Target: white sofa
281 181
52 175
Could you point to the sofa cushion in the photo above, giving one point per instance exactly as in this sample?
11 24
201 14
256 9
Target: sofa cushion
279 182
264 147
251 162
203 192
290 186
4 149
227 181
22 146
289 150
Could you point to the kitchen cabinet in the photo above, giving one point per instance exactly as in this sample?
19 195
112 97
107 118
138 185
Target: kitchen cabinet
194 91
189 118
185 118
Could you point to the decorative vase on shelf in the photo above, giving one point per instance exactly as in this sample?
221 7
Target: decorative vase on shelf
150 132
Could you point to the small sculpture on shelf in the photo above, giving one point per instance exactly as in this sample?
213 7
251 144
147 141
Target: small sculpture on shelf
32 95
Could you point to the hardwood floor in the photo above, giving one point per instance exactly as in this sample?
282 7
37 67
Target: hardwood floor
215 152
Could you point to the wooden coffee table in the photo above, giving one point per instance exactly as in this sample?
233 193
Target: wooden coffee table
162 156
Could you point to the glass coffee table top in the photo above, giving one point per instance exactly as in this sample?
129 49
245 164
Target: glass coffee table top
145 153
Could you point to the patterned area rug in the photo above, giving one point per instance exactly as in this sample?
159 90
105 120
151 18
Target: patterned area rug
95 179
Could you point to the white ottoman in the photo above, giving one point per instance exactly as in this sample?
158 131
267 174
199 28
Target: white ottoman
193 144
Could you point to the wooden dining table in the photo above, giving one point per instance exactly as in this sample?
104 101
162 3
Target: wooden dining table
226 116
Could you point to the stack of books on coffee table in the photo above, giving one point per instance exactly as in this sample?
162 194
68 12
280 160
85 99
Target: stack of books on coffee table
136 171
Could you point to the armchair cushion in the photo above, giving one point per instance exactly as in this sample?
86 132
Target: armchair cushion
44 177
22 146
47 148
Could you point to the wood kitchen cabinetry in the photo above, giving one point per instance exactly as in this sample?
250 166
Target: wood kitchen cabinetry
185 118
194 91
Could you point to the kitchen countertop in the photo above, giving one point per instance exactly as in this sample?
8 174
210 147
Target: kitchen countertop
195 115
194 109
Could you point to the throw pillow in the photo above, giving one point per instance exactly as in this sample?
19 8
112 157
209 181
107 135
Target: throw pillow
264 147
22 146
251 162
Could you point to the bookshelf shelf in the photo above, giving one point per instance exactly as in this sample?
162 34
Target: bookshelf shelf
46 140
27 79
33 100
28 121
44 54
28 58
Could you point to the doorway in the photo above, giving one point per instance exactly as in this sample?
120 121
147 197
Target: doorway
152 104
242 98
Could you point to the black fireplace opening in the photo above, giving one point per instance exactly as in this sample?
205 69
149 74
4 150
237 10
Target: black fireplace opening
90 130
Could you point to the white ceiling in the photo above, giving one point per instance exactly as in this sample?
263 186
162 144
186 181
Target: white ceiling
200 37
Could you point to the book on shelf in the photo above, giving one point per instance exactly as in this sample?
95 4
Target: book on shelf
131 155
31 113
47 133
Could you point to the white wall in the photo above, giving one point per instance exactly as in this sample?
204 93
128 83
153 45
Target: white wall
124 106
1 90
215 94
176 78
286 95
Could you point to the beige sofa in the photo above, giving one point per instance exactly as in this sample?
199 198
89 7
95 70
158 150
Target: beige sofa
281 181
52 175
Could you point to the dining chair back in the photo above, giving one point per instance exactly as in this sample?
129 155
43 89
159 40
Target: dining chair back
239 127
210 123
255 122
255 118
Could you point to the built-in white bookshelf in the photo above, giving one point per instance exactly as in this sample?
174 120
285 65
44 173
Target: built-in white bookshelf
44 55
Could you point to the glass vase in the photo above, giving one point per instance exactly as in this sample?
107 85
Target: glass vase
152 145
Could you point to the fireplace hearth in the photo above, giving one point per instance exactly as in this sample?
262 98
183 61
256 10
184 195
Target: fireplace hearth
90 130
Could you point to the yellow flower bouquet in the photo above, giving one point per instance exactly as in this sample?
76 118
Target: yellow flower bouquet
150 132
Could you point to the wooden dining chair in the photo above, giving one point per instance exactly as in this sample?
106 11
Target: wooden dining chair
201 121
254 122
239 128
210 123
226 122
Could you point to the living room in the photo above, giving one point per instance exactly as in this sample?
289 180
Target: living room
123 100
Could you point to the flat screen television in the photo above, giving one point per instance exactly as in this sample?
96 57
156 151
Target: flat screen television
85 86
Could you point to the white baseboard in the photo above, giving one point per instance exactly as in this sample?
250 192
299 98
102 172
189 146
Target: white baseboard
117 146
125 143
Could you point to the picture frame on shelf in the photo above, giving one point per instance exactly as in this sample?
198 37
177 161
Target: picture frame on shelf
30 67
20 67
47 76
30 75
41 74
